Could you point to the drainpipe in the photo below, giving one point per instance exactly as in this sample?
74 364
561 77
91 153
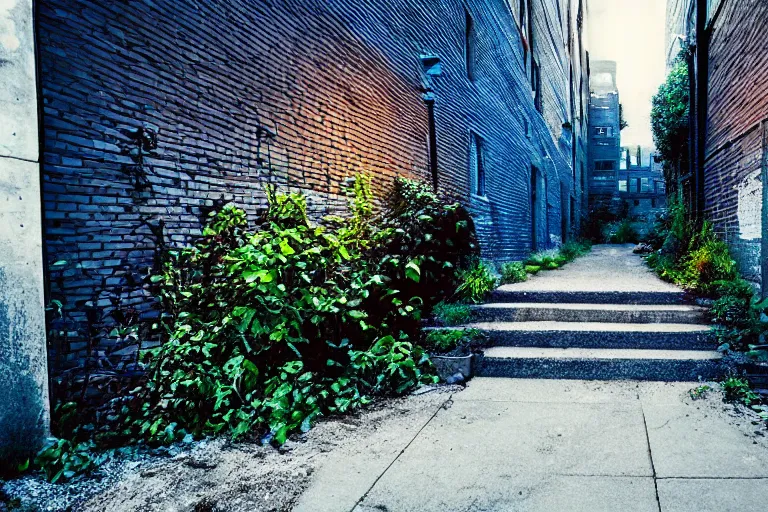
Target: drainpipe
431 67
702 93
429 99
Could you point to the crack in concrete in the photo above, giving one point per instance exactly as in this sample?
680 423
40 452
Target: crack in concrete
650 455
445 405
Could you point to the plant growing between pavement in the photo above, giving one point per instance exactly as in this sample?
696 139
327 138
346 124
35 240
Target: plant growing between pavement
476 283
443 341
450 314
513 272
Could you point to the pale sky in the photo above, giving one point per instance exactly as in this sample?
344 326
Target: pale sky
631 32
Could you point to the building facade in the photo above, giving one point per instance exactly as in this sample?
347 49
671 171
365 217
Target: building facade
727 42
605 135
641 184
154 113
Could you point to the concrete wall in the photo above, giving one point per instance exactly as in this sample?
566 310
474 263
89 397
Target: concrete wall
339 81
23 364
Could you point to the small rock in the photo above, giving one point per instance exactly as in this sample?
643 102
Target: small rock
456 378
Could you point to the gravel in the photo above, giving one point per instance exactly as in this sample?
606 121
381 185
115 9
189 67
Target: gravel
215 475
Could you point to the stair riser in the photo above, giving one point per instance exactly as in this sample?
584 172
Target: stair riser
587 315
599 339
639 298
597 369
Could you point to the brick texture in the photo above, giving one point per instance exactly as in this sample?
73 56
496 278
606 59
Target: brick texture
738 104
339 82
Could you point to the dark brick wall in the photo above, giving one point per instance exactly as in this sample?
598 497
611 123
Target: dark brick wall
338 81
738 104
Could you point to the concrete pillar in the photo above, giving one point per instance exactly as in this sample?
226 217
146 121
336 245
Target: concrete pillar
24 407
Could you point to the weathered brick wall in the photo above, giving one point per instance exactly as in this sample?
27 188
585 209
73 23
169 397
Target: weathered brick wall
338 81
738 104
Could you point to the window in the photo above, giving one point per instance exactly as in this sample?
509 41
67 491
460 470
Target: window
476 168
637 202
605 165
634 185
622 185
470 54
603 131
645 185
536 84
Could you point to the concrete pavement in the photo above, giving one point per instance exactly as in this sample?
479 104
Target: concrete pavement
555 445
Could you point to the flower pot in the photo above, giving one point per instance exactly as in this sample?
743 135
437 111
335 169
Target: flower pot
448 366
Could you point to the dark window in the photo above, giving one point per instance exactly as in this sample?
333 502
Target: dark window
536 84
605 165
469 46
476 164
637 202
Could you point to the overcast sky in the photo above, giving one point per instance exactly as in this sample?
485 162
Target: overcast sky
631 32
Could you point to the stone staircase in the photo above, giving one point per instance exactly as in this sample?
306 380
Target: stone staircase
581 323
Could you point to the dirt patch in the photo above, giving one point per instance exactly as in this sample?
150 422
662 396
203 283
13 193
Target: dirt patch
216 475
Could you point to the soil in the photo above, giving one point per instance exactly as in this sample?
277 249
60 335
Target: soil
217 475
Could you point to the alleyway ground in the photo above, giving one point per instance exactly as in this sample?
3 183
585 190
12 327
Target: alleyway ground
500 444
559 445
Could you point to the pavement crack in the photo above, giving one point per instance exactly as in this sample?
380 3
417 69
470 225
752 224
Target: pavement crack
444 406
650 456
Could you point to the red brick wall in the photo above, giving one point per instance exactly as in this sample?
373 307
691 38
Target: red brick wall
738 102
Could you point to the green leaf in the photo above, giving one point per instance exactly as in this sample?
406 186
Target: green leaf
412 271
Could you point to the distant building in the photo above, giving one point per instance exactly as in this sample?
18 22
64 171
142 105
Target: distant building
641 183
604 133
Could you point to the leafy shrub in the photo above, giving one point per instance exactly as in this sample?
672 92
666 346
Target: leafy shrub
442 341
451 314
273 329
476 283
546 260
574 249
533 269
270 329
64 460
513 272
736 389
423 245
708 261
622 232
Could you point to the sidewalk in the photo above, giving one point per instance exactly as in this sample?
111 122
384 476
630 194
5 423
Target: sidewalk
548 445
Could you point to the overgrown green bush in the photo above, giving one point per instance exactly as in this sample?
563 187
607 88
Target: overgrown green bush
272 328
513 272
695 260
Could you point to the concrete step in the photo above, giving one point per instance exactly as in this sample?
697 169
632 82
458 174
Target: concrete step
599 364
597 335
509 294
614 313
